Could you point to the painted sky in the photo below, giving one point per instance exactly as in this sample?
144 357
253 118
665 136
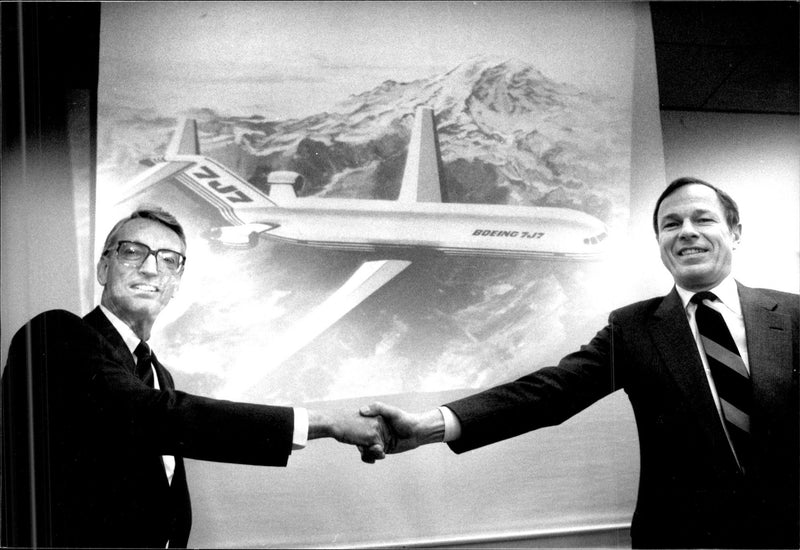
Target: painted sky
291 59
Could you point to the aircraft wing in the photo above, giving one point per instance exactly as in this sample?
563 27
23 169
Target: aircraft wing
367 279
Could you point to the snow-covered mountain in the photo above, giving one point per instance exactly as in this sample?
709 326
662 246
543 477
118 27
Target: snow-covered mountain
508 135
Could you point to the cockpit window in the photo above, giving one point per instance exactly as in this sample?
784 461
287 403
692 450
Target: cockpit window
596 239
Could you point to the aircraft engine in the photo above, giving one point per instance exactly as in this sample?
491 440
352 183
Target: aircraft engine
284 185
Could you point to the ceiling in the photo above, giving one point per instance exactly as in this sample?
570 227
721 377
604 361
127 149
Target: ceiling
732 56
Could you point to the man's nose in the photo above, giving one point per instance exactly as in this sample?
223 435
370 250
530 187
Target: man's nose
688 229
149 265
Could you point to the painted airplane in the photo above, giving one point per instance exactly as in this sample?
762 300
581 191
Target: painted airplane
396 231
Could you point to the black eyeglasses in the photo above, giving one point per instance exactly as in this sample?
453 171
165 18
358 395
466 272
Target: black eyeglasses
135 254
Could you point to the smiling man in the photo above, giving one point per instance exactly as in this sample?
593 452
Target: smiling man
138 279
94 431
698 229
711 371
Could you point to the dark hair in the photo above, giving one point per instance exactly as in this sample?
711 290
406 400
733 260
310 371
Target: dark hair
148 213
729 205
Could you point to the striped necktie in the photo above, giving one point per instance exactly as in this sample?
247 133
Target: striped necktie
729 373
144 363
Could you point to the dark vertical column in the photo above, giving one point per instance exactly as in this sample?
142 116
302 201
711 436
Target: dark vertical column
48 71
49 117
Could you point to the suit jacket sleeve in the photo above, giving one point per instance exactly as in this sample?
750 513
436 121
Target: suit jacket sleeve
177 423
543 398
126 412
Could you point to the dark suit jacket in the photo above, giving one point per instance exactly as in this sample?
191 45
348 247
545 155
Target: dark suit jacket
690 491
83 439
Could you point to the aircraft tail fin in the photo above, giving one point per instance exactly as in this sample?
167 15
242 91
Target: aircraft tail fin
220 187
422 178
184 141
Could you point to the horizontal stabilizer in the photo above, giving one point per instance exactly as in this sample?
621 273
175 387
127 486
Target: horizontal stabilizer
149 177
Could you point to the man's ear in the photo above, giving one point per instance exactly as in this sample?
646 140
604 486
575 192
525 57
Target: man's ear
102 271
175 288
737 235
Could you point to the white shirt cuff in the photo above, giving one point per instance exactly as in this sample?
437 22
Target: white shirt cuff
452 425
300 435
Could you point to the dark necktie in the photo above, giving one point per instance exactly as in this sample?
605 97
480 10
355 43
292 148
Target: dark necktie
144 363
729 373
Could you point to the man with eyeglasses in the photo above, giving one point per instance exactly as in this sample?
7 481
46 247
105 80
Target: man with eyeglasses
94 432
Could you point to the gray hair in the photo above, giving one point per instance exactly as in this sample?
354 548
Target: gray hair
155 214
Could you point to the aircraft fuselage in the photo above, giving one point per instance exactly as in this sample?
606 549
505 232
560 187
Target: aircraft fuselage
523 232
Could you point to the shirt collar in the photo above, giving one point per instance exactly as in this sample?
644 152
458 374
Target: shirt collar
726 291
128 336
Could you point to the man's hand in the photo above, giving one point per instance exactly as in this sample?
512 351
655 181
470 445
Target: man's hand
407 430
368 433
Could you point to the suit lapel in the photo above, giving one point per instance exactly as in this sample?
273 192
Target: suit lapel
101 324
164 379
769 349
673 338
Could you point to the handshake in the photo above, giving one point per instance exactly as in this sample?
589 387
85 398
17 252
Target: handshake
378 429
